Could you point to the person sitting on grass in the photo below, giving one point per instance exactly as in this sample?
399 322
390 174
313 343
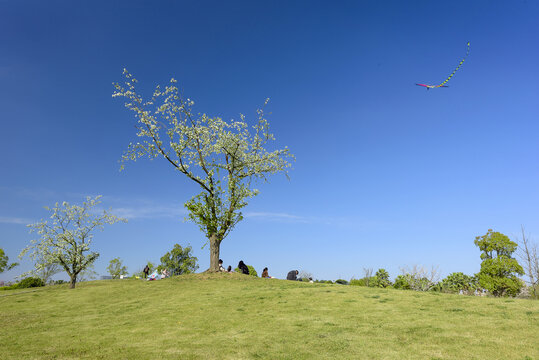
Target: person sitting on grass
164 274
243 268
229 269
265 274
221 268
292 275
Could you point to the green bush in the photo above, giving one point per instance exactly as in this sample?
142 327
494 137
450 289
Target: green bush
370 282
10 287
30 282
252 270
357 282
458 281
401 282
381 279
323 281
341 281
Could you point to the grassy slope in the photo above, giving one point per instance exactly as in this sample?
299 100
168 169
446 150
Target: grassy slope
231 316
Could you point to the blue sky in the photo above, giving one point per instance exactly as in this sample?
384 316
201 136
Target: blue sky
387 174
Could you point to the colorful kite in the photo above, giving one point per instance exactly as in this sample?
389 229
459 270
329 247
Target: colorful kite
450 76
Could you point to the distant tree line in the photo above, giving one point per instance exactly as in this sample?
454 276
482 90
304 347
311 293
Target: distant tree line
498 276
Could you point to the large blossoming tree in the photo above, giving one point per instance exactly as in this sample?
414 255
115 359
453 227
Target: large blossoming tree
65 239
222 158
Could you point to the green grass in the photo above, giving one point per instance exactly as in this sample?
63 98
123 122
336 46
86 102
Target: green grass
231 316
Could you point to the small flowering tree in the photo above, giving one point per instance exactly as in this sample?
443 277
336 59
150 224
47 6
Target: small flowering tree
66 238
221 157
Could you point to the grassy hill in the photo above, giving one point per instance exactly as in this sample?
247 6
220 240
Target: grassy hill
231 316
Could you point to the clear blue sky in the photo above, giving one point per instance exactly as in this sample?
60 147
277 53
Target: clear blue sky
387 175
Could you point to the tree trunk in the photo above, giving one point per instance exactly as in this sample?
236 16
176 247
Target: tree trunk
214 253
72 282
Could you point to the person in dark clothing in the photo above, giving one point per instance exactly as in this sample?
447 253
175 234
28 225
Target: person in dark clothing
292 275
221 268
146 271
229 269
243 268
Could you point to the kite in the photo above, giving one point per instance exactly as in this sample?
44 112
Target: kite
450 76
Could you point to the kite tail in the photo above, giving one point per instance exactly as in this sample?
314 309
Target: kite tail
460 64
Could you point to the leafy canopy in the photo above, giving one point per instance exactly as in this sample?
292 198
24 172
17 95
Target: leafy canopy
4 259
116 268
179 261
499 270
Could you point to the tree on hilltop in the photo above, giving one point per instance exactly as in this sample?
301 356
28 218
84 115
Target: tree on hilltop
116 268
222 158
499 270
178 261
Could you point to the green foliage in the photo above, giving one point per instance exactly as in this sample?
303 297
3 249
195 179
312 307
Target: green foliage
9 287
417 278
116 268
4 262
178 261
364 281
252 270
499 270
341 282
60 282
458 281
402 282
30 282
381 279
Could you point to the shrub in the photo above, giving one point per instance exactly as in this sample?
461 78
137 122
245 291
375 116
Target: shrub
357 282
458 281
370 281
401 282
30 282
381 279
341 281
323 281
9 287
252 270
